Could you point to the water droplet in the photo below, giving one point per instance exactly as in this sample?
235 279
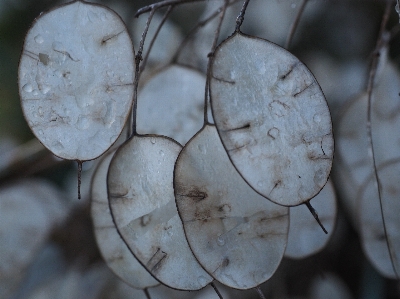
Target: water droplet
40 110
293 5
45 89
260 183
35 92
317 118
39 39
170 232
110 73
161 153
35 114
27 88
145 220
153 140
202 280
202 148
40 132
220 241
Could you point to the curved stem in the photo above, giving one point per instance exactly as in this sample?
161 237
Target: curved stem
138 59
381 43
155 6
216 290
214 45
295 24
167 13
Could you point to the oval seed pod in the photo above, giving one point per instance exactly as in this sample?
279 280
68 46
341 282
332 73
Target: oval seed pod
141 197
76 79
272 118
235 234
305 236
171 103
379 220
113 249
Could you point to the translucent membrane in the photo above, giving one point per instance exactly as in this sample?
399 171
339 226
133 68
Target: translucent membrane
76 79
236 235
141 196
113 249
272 118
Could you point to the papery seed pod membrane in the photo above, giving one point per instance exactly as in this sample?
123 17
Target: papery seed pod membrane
115 252
141 196
236 235
272 118
76 79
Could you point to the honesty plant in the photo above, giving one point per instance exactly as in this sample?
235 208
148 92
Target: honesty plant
218 208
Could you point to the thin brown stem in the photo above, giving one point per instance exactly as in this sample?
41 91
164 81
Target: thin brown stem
380 45
79 178
315 214
214 45
158 5
194 30
260 293
147 293
295 23
167 13
216 290
240 17
138 59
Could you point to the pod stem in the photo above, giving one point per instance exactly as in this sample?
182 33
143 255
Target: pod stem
260 293
314 213
240 17
295 24
138 60
210 56
79 178
216 290
147 293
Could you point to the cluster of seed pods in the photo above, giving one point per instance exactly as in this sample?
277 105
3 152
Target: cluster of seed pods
216 208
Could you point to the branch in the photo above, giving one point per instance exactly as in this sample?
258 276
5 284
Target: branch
240 18
155 6
214 45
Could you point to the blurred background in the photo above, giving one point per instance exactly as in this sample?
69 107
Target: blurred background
47 244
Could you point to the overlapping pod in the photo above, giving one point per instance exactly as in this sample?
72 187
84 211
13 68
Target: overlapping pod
141 196
236 235
171 103
272 118
113 249
76 79
378 219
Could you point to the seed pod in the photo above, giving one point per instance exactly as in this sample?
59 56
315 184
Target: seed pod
76 79
272 118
